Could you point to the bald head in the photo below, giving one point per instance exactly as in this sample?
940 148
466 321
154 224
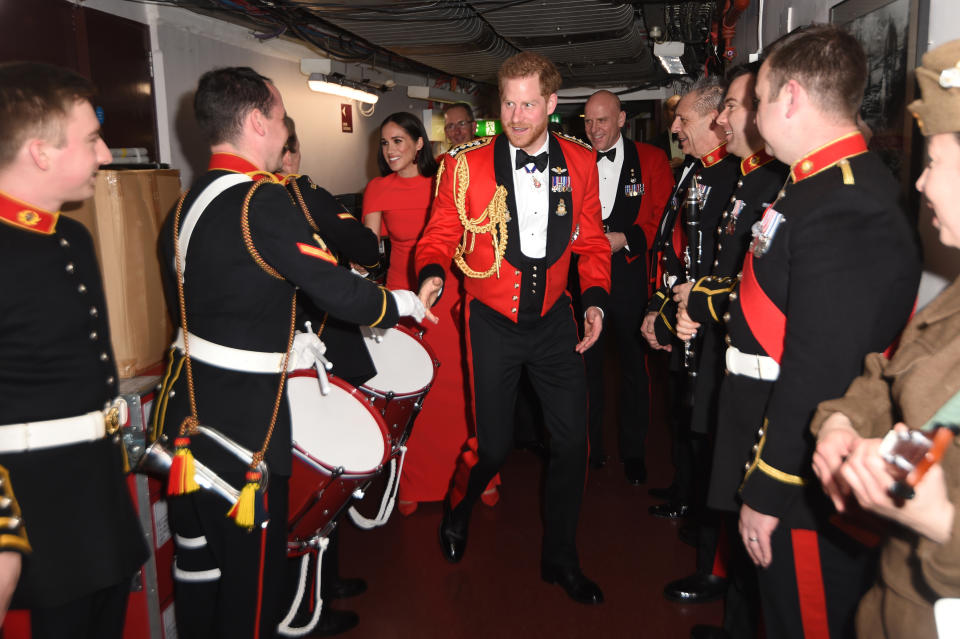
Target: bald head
603 117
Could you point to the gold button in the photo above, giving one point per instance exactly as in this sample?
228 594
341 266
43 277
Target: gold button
516 272
93 336
110 379
746 466
728 340
104 357
81 289
93 311
70 268
515 298
755 448
733 296
516 286
64 243
806 166
726 317
760 432
513 310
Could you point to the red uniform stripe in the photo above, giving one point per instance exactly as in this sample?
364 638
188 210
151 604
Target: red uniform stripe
263 550
722 554
767 322
813 600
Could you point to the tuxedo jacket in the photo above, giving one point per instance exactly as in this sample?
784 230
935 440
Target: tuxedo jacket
643 191
574 224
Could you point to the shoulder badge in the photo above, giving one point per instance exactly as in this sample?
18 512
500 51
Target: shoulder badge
472 144
570 138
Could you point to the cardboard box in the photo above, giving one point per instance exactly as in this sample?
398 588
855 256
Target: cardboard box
124 217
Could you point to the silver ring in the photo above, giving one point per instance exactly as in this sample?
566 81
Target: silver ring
753 539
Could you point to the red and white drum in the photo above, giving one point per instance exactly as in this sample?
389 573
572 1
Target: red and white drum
340 443
406 367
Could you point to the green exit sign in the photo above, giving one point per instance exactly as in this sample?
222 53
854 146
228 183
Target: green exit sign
488 127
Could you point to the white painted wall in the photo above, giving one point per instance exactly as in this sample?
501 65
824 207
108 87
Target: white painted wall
186 44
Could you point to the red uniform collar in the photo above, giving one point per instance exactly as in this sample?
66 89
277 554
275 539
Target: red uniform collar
26 216
754 162
714 156
827 155
237 164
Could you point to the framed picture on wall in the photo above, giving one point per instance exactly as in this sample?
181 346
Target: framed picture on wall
893 34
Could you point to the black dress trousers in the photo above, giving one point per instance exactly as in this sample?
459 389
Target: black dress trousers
545 347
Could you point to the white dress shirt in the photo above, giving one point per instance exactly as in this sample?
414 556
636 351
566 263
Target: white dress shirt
533 203
609 173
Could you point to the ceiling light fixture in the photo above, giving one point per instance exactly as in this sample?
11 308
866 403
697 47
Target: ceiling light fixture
669 54
340 86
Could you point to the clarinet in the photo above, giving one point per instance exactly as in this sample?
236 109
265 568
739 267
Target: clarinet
693 262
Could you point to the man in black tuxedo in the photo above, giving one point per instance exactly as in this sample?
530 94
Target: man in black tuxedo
635 183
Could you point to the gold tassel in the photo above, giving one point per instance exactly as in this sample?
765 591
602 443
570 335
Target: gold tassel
182 480
244 511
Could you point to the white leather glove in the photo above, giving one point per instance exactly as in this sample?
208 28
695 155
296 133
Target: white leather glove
409 305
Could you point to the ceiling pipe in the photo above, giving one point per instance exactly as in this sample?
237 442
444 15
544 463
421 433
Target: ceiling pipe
734 8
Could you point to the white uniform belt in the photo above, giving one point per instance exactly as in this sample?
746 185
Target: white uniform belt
234 359
756 366
89 427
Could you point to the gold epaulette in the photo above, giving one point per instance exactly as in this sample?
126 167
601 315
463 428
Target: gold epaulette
712 286
570 138
758 464
13 535
476 143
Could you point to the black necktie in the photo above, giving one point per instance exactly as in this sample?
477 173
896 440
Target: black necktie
524 158
610 155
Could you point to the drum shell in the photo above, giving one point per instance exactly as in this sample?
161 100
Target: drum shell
399 407
320 491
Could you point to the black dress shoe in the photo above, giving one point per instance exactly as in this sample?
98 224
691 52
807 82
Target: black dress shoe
342 588
334 622
635 470
667 492
697 588
670 510
578 587
701 631
453 535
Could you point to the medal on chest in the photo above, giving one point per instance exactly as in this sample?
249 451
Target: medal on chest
764 230
733 216
532 171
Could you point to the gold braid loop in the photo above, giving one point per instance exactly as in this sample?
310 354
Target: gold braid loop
436 179
190 422
245 228
493 220
303 205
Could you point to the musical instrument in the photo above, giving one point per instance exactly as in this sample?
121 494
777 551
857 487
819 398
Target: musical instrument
340 443
406 368
693 262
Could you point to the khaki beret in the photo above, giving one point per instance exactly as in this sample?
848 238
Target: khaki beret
938 110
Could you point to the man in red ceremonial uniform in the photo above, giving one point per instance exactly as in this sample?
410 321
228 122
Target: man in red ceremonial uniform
635 182
57 372
522 203
830 276
238 254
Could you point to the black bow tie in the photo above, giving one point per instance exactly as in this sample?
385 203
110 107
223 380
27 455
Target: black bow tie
610 155
524 158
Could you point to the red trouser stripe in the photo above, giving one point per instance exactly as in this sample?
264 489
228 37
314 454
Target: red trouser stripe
767 322
813 600
722 554
263 550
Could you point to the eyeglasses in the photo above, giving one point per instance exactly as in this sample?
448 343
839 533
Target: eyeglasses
462 124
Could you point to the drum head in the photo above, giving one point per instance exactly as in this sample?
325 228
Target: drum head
404 365
336 429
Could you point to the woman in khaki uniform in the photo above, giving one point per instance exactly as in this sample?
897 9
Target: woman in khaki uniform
920 560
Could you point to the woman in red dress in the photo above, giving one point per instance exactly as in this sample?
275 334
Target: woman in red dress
397 205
